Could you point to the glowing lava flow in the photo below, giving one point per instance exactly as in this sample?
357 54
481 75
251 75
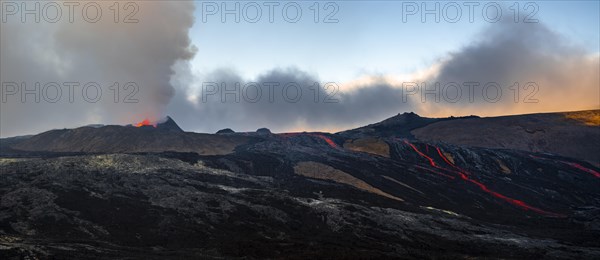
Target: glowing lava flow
448 162
421 154
146 122
515 202
431 161
320 136
463 175
580 167
327 140
574 165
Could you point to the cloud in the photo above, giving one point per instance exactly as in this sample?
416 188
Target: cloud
283 99
105 52
155 52
552 75
507 53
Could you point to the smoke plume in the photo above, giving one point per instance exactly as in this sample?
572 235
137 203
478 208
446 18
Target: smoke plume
139 46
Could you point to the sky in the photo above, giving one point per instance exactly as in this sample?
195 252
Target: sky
370 37
193 61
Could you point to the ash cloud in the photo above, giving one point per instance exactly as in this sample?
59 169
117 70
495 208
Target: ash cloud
104 52
509 52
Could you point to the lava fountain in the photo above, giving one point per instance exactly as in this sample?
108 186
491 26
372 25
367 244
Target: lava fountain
146 122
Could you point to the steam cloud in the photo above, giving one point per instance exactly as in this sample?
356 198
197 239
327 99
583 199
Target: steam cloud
104 52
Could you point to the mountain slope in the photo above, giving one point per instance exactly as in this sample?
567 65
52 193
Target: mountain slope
165 136
375 192
573 134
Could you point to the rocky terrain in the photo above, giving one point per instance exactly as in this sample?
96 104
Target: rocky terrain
387 190
574 134
165 136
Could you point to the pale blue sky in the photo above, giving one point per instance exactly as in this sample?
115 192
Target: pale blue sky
369 38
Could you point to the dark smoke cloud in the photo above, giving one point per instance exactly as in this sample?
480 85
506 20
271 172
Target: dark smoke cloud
333 110
104 52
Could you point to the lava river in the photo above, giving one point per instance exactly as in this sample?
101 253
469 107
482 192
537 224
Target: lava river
464 175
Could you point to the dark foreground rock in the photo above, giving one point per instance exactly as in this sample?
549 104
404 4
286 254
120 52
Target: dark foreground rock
157 206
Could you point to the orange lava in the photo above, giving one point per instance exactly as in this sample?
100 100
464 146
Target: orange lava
421 154
327 140
146 122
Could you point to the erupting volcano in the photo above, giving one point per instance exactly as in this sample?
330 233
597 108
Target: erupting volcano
146 122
